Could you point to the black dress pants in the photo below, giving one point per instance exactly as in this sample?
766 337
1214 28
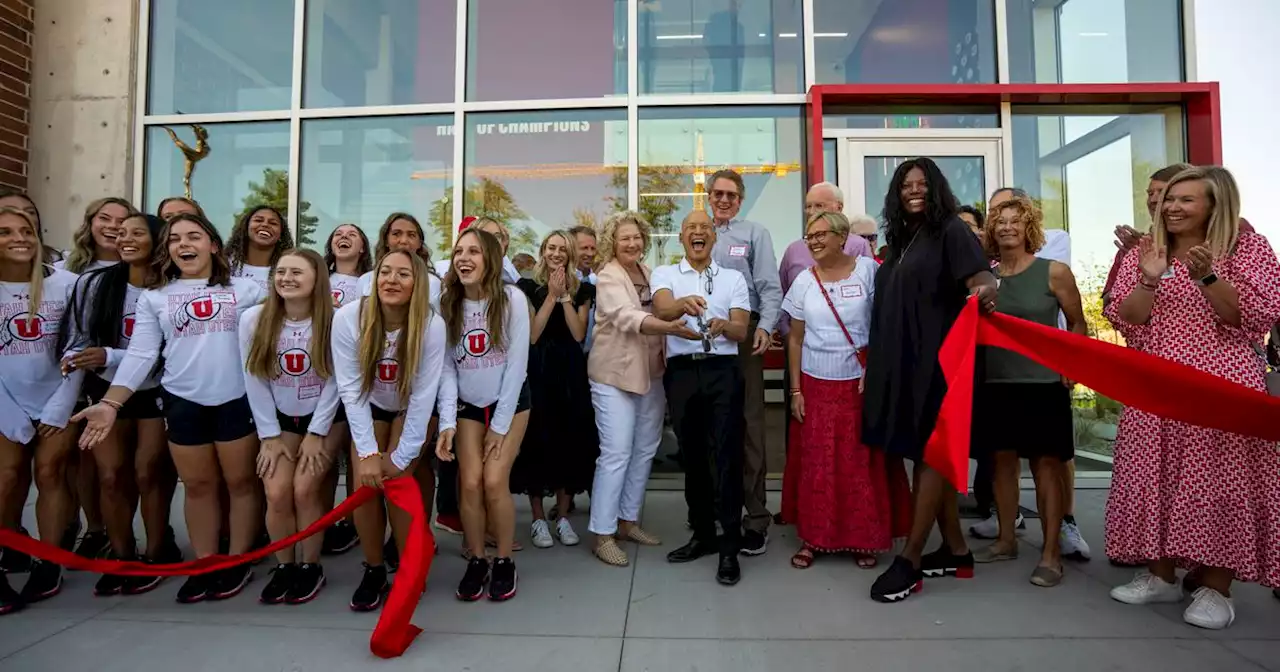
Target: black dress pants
705 397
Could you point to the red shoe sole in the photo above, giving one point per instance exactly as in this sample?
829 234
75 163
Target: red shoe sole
964 573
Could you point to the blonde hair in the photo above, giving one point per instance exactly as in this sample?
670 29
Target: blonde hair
1223 229
609 234
263 361
373 330
839 223
542 274
36 281
83 248
1030 216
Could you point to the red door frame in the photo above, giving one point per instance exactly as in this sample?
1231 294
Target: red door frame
1200 101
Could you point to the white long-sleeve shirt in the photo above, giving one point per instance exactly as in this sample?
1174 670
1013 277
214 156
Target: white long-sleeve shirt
422 397
480 374
197 326
345 288
433 288
298 391
81 340
260 275
29 367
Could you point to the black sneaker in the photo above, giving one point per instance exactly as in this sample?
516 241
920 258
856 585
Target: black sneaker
307 582
137 585
10 599
943 563
373 586
93 545
196 588
340 538
472 585
44 582
898 582
169 553
15 562
502 580
391 554
754 543
282 578
231 581
69 535
109 584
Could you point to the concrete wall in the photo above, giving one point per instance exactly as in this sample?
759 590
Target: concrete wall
82 107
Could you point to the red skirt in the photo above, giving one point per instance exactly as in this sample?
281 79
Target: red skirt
840 494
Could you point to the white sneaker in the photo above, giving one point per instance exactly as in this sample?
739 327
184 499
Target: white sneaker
1209 609
565 533
1071 544
990 528
1147 588
541 534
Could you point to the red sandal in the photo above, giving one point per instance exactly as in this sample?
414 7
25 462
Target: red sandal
803 559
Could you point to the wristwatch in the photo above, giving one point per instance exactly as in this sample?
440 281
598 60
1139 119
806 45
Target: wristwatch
1208 279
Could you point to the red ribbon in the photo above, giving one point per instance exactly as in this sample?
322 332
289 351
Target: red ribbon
1133 378
394 632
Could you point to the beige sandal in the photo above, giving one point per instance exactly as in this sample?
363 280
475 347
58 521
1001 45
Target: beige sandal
608 551
634 533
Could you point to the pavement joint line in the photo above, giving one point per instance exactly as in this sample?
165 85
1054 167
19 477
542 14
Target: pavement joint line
57 632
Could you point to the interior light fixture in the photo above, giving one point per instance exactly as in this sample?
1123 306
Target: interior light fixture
680 37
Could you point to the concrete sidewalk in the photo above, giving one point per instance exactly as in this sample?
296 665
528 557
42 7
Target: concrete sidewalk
576 614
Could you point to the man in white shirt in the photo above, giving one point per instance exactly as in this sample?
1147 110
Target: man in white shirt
705 390
584 241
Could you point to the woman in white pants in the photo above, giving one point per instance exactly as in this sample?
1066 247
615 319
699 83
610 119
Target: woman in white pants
625 366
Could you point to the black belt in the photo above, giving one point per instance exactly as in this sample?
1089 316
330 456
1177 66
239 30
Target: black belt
699 357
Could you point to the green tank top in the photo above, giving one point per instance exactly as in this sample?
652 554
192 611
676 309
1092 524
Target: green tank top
1027 296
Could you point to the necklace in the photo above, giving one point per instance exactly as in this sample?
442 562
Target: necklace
913 242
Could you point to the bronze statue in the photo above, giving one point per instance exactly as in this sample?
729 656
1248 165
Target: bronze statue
191 156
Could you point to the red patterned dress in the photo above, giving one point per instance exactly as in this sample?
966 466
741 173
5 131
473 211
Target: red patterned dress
1199 496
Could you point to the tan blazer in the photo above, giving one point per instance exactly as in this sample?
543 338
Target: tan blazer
621 356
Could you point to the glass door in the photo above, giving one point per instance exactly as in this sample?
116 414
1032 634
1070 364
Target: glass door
972 166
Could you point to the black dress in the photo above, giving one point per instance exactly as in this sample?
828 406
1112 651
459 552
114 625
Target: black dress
561 444
919 293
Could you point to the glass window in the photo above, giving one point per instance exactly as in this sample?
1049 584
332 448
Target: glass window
681 147
521 50
379 52
910 117
361 170
206 57
720 46
904 41
1103 41
247 164
541 171
830 162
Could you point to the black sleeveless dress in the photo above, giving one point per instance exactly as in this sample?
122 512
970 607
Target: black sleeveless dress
561 445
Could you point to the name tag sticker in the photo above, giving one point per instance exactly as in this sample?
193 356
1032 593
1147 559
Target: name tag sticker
309 391
222 297
738 250
850 292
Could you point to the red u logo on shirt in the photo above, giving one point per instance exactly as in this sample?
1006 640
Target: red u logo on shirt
26 327
126 328
388 370
338 294
202 309
295 362
477 342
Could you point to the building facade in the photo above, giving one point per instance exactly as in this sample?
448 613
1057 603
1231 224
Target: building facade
555 113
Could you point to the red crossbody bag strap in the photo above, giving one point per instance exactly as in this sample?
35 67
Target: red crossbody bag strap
861 352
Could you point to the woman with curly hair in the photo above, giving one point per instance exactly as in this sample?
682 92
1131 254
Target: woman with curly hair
1022 409
933 264
256 243
94 243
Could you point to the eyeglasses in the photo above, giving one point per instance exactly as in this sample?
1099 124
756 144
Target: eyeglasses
869 237
816 237
719 195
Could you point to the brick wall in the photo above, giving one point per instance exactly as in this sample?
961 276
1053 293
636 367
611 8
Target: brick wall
16 24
